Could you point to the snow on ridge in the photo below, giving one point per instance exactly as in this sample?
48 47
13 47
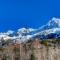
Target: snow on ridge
52 26
23 33
10 32
25 30
6 35
54 21
53 30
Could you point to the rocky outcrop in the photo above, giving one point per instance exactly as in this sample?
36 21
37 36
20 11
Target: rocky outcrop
33 50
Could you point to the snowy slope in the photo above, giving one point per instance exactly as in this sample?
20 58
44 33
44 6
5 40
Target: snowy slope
52 28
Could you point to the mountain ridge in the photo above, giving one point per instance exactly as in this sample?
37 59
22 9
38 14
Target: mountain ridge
24 34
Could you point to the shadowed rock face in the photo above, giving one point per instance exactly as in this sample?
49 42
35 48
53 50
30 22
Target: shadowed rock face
32 50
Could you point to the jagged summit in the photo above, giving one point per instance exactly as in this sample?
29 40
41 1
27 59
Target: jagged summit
55 22
52 27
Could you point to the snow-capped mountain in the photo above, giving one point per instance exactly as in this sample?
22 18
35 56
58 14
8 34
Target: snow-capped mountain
22 35
53 23
52 27
50 30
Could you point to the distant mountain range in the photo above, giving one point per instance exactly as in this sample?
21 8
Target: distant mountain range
48 31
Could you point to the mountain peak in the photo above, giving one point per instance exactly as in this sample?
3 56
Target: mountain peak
55 22
24 34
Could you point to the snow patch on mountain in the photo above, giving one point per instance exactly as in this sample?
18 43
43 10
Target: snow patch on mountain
54 22
24 34
24 30
48 31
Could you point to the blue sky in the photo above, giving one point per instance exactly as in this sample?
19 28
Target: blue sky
15 14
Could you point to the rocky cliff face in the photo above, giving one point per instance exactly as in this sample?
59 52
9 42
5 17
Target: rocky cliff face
40 51
32 50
